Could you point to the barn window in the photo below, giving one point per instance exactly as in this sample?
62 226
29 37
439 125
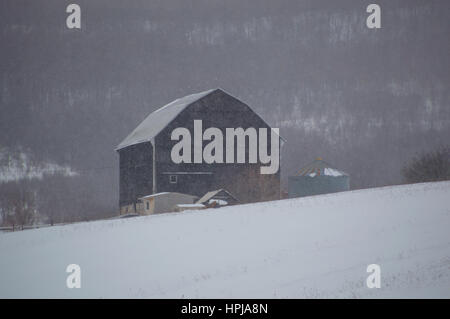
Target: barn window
173 179
148 206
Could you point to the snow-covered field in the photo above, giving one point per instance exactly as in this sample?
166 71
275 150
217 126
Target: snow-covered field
315 247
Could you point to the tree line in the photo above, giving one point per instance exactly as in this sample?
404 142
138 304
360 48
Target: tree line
51 200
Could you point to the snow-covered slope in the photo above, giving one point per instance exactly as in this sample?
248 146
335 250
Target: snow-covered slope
312 247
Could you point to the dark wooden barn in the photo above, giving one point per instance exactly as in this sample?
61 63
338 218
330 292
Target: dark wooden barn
146 166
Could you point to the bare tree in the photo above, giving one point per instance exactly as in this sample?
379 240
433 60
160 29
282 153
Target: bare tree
53 195
17 203
428 167
6 204
10 200
23 202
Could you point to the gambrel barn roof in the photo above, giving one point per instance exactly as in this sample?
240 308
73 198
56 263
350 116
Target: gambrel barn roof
156 121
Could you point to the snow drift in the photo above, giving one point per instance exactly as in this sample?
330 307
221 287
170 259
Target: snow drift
314 247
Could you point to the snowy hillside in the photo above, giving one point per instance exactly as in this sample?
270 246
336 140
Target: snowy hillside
312 247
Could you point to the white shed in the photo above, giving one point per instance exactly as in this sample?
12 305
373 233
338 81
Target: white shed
164 202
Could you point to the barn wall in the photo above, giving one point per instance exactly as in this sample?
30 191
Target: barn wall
137 208
244 180
136 173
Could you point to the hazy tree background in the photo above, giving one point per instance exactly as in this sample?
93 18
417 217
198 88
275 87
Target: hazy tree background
365 100
433 166
17 203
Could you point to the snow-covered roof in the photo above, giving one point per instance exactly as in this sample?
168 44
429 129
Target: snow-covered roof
211 194
156 121
154 195
319 167
165 193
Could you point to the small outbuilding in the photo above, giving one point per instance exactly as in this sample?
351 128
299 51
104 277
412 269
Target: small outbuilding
219 197
316 178
164 202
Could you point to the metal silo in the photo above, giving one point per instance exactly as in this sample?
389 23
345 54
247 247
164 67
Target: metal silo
316 178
